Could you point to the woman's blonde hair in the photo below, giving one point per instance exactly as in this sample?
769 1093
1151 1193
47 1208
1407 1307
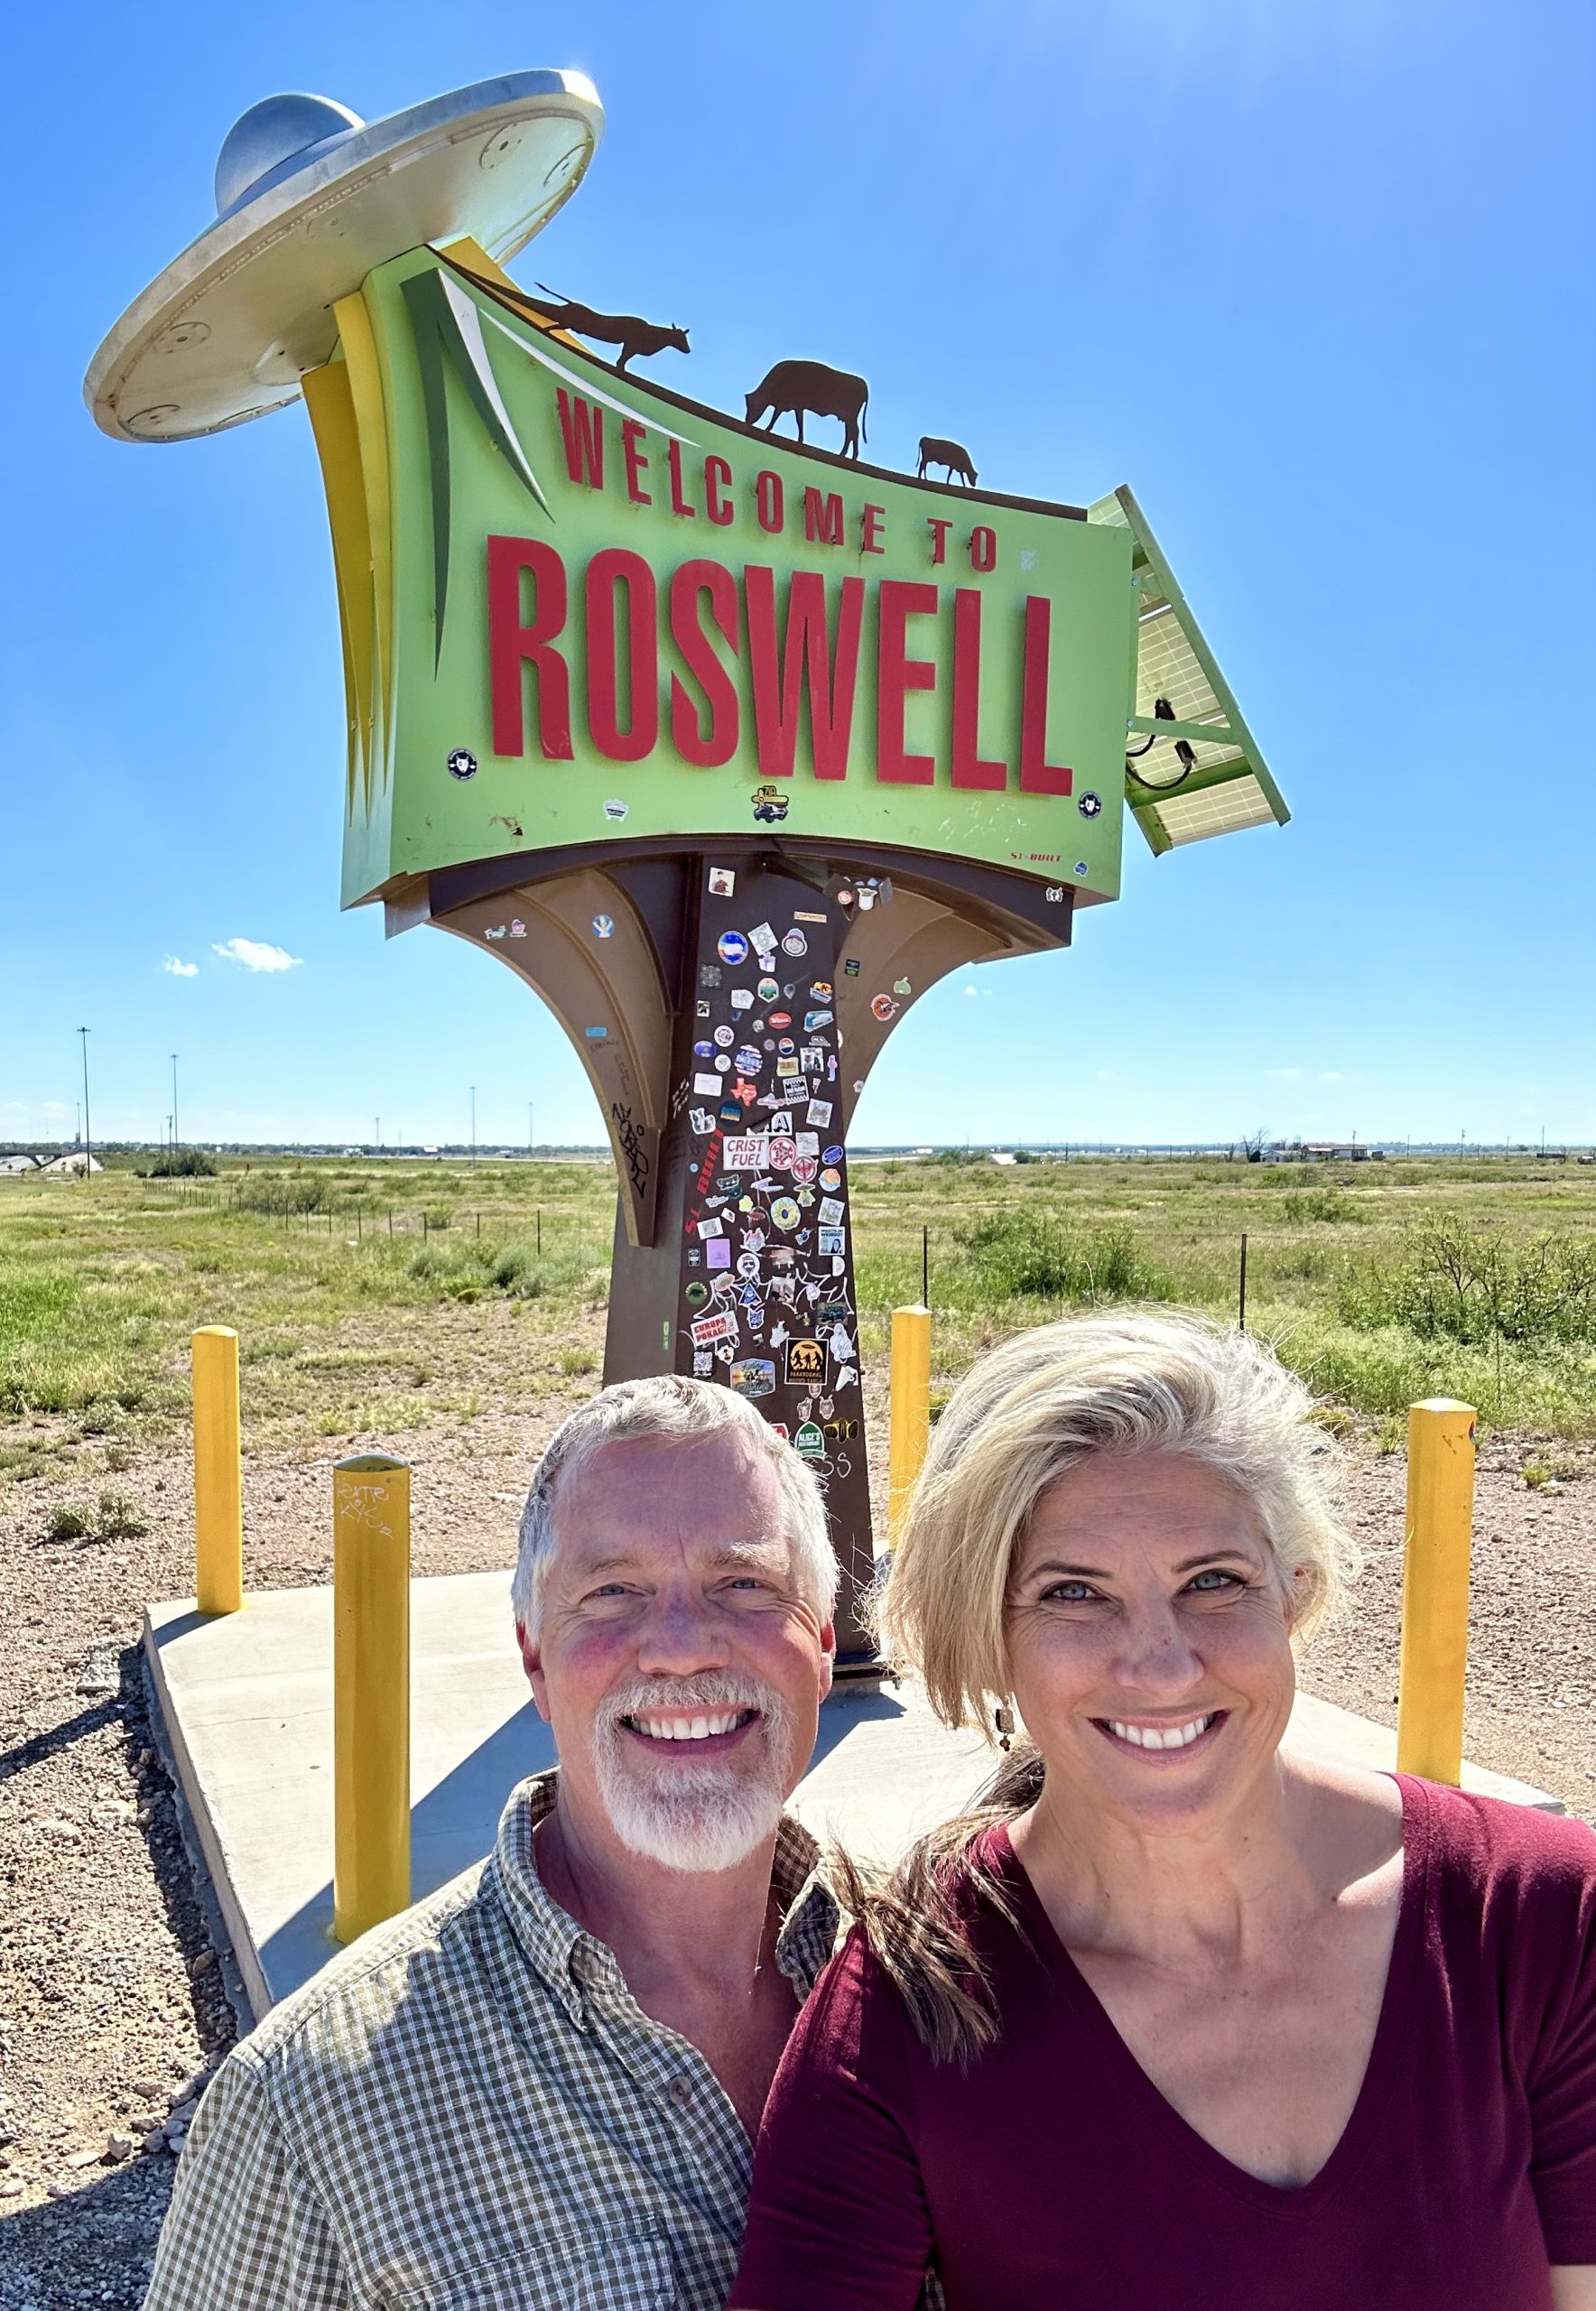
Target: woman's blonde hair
1130 1381
1133 1380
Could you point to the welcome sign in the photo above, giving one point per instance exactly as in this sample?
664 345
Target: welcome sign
580 608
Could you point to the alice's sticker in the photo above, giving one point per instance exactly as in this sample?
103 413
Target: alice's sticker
809 1443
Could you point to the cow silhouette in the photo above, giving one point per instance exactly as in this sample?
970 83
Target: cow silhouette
636 339
793 387
957 460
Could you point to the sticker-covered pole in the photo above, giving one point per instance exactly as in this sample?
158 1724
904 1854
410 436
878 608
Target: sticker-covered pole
910 1409
1435 1589
218 1485
371 1692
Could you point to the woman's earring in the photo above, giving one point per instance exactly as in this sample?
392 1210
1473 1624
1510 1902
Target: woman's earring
1003 1718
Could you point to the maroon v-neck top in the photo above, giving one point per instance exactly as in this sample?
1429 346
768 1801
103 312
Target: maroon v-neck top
1052 2176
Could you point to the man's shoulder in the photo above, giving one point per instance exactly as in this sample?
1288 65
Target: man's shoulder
418 1964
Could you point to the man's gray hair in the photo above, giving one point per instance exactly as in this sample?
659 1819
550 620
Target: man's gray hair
671 1406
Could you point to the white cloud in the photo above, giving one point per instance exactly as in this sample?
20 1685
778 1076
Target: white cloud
178 968
257 955
1284 1075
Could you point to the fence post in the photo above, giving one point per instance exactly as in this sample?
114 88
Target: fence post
371 1692
1242 1289
218 1485
1435 1589
910 1409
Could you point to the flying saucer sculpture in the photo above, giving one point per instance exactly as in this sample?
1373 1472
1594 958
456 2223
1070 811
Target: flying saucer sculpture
310 200
731 748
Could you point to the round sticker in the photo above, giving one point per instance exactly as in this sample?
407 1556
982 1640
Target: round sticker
794 943
726 1037
831 1155
749 1059
783 1211
703 1051
1089 805
779 1019
884 1007
830 1179
1081 867
696 1295
732 947
461 763
748 1266
805 1168
768 990
603 926
722 1062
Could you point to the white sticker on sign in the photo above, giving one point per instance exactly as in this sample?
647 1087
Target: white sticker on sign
707 1086
710 1329
820 1111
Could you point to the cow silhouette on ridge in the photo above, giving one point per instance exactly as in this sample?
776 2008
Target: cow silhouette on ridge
794 387
934 451
637 338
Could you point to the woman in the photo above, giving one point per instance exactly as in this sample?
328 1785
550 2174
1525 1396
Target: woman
1181 2022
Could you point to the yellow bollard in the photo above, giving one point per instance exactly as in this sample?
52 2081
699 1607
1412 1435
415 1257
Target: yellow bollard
371 1692
218 1485
1435 1589
910 1415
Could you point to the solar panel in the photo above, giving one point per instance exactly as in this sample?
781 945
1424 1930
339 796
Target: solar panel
1215 784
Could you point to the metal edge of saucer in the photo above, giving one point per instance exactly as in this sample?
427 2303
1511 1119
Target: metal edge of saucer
224 333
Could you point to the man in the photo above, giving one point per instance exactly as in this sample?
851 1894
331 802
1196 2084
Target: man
538 2087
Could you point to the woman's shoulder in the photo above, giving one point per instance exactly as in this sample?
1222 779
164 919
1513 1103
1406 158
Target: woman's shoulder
1504 1875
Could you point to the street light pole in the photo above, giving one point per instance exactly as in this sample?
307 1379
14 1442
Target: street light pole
531 1142
87 1133
174 1136
473 1127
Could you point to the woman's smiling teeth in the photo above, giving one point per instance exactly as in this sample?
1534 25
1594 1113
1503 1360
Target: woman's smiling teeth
1159 1736
690 1728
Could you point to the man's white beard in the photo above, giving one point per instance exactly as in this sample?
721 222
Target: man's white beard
702 1815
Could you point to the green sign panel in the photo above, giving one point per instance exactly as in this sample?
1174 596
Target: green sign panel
598 612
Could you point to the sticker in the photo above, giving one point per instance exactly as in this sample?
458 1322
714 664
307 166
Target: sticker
703 1364
700 1009
902 986
748 1266
1081 866
788 1067
707 1086
496 931
806 1363
1089 805
702 1121
461 763
708 1228
1054 894
833 1240
801 914
709 975
730 1112
706 1329
805 1168
813 1019
750 1061
722 882
696 1295
741 999
596 1034
782 1122
726 1037
768 990
703 1051
780 1151
830 1179
833 1210
808 1143
604 926
732 947
851 966
770 805
794 943
517 929
820 1111
755 1376
783 1211
845 896
764 938
744 1153
778 1020
809 1443
813 1058
717 1253
884 1007
614 810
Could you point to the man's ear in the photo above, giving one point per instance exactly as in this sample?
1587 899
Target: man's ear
532 1659
828 1655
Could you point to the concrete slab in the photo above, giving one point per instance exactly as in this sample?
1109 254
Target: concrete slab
245 1706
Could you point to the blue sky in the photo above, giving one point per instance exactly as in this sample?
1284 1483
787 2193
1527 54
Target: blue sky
1313 276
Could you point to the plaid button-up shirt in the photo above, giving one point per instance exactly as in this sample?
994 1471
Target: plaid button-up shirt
470 2112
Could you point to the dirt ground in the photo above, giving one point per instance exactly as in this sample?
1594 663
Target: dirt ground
112 2009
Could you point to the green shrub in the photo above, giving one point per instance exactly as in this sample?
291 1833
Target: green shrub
69 1520
182 1164
1450 1281
1021 1254
1321 1203
281 1194
117 1518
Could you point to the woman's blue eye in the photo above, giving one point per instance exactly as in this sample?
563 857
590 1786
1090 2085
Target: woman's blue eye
1071 1593
1213 1579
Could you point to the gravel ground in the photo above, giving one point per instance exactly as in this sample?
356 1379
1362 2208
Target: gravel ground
112 2007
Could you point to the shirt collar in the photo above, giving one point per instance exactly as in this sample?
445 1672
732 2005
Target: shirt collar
574 1963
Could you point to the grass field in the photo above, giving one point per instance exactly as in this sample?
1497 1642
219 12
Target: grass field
387 1296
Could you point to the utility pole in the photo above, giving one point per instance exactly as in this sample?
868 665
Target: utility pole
378 1122
473 1127
531 1143
174 1136
88 1134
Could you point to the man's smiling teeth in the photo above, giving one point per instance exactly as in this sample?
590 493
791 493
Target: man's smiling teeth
1161 1737
696 1729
